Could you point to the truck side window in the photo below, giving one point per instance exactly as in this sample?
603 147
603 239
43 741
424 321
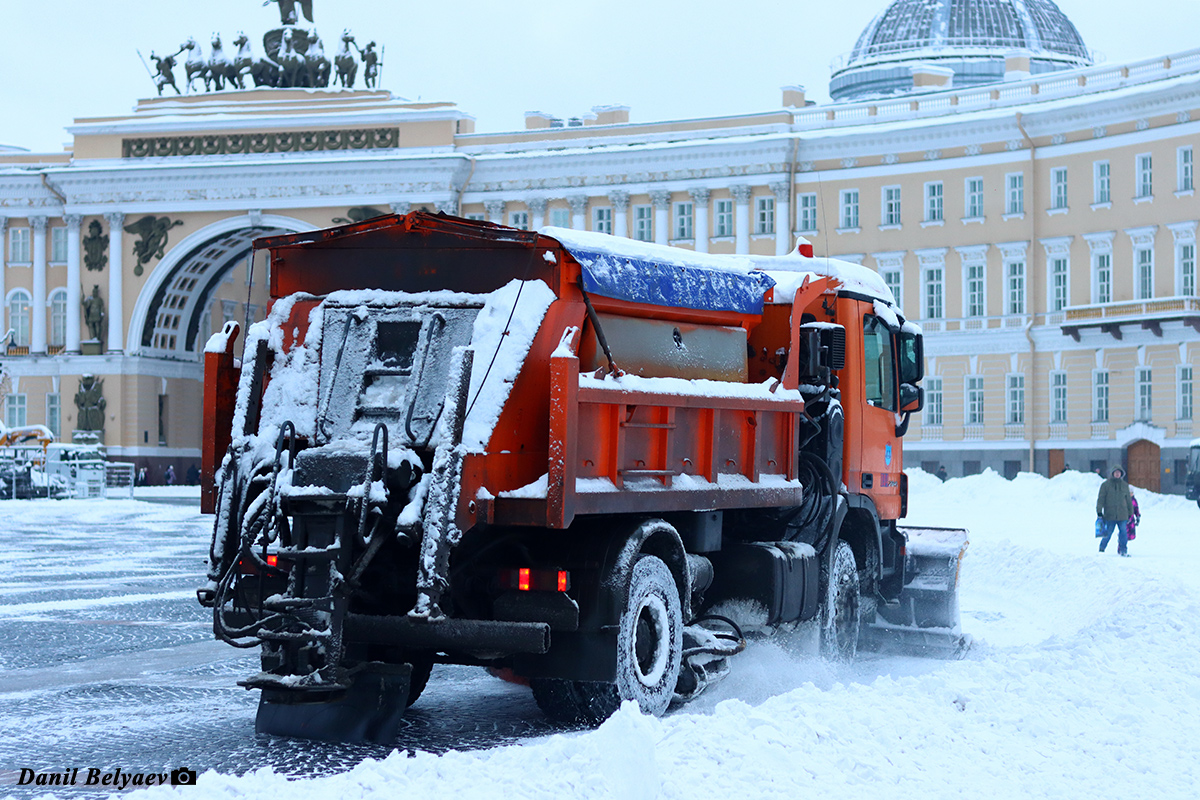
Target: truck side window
880 389
911 366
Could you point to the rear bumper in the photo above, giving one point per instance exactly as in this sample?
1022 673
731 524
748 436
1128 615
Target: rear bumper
478 637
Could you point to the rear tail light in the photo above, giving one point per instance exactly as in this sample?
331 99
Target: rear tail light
527 579
250 566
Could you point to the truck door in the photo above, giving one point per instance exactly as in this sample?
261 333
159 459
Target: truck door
871 396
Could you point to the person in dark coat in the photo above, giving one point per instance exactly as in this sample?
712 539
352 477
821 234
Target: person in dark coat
941 472
1114 506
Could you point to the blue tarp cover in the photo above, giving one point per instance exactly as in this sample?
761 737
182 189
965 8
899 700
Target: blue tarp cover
678 285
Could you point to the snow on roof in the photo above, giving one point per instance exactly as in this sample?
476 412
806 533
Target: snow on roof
853 277
1195 443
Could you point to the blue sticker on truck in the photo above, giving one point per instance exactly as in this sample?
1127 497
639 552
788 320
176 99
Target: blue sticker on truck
887 455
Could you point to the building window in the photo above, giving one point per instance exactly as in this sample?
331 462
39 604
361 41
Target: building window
1016 400
1186 181
933 202
1100 396
849 206
560 217
1058 281
1103 277
602 220
935 285
58 318
14 410
1144 397
975 297
1145 175
519 220
1184 405
1016 287
643 223
1016 193
684 215
54 413
1058 178
476 216
974 209
1187 269
933 402
974 400
18 246
893 278
19 317
1101 183
1058 397
1145 272
808 212
162 420
891 205
724 218
764 215
58 245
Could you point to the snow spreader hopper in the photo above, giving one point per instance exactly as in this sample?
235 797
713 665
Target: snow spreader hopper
592 463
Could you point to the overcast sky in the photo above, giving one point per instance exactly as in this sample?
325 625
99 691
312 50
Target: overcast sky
65 59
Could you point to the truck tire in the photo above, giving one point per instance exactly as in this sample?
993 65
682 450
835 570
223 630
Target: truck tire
422 666
840 609
649 654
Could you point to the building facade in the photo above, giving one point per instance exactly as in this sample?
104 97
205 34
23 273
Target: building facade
1042 229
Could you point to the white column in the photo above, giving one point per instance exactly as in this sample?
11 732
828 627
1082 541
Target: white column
116 290
620 206
578 211
37 338
74 223
783 217
700 198
537 213
661 199
495 211
449 207
3 272
741 218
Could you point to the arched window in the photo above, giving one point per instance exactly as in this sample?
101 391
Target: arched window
18 317
58 318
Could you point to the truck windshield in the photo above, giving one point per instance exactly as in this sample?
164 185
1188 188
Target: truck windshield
880 388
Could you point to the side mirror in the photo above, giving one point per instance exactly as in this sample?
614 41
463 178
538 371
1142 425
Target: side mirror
912 398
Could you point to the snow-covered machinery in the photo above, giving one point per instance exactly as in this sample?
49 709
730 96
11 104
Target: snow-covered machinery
585 461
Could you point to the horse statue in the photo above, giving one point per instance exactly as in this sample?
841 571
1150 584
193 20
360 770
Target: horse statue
346 63
195 66
220 67
291 60
265 72
244 61
318 64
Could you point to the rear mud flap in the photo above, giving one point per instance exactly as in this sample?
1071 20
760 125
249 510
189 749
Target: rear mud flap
925 620
369 711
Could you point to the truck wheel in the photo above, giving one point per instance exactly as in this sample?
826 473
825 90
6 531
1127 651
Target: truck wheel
649 653
840 611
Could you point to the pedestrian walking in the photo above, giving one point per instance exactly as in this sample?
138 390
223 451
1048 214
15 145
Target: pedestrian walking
941 472
169 476
1114 507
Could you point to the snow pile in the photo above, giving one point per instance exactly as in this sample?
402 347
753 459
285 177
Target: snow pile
1083 682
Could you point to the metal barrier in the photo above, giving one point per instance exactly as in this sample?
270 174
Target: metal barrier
119 478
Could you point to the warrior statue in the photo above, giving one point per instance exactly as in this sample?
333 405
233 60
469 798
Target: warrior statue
91 404
370 65
95 247
287 10
165 68
93 313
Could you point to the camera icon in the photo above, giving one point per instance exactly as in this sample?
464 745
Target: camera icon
183 777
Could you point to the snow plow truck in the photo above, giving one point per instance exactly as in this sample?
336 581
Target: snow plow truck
591 464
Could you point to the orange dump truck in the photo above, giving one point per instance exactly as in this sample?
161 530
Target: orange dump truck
592 463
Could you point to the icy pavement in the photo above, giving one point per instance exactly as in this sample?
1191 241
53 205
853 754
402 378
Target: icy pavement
107 660
1084 680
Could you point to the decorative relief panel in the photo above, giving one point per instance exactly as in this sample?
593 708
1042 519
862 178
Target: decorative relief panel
294 142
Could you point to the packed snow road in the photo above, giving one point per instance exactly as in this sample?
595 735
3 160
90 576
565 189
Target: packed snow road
1084 679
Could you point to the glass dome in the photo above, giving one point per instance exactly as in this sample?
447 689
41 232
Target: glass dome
970 37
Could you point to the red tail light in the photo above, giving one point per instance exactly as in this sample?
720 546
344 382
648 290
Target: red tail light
526 579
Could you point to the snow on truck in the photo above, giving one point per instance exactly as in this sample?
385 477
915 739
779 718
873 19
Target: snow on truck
584 461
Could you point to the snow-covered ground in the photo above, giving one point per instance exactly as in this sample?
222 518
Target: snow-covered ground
1084 681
